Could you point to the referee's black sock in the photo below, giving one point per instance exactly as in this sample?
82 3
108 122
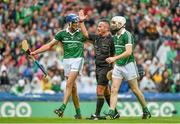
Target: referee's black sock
108 102
99 104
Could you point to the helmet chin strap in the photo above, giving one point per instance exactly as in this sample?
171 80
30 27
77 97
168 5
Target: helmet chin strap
117 29
123 26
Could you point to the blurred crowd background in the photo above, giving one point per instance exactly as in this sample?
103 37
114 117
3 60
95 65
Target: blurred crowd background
155 25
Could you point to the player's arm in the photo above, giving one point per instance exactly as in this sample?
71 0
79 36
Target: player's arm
82 18
45 47
125 54
84 30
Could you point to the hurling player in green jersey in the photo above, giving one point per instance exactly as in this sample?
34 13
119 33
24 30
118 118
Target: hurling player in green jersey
72 40
125 65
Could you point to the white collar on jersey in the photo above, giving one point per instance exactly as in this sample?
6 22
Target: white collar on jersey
122 32
67 30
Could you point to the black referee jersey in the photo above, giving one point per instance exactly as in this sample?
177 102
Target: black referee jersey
104 48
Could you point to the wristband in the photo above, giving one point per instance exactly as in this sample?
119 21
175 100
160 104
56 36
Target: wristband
81 21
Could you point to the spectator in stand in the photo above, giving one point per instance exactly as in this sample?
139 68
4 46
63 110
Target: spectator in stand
4 81
147 84
178 83
21 88
46 86
166 83
171 55
36 86
56 83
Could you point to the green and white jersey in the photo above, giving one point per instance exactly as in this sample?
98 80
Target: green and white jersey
120 41
73 43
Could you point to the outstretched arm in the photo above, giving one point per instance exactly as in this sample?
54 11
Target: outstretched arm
82 17
44 47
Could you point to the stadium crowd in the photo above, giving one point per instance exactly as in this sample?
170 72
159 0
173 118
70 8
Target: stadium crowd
154 23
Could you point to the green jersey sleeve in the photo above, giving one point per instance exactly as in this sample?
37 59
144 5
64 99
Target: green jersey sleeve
128 38
58 36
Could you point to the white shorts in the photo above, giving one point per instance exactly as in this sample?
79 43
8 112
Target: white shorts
73 64
128 71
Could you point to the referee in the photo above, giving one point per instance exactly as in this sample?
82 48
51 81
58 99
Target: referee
104 48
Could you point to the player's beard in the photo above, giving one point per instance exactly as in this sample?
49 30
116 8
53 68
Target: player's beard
115 30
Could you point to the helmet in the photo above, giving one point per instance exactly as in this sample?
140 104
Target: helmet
119 19
71 18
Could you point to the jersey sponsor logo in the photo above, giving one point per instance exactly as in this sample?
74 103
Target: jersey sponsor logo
66 38
72 45
78 38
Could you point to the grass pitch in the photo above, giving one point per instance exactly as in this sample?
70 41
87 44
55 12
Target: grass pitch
124 120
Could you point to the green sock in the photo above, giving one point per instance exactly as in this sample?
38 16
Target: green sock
78 111
145 109
63 107
111 112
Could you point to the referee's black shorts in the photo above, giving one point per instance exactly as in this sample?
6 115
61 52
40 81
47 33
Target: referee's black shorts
101 75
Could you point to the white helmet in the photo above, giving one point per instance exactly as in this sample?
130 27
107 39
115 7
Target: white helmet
119 19
117 23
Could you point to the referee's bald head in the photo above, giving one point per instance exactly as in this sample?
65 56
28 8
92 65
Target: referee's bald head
105 22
